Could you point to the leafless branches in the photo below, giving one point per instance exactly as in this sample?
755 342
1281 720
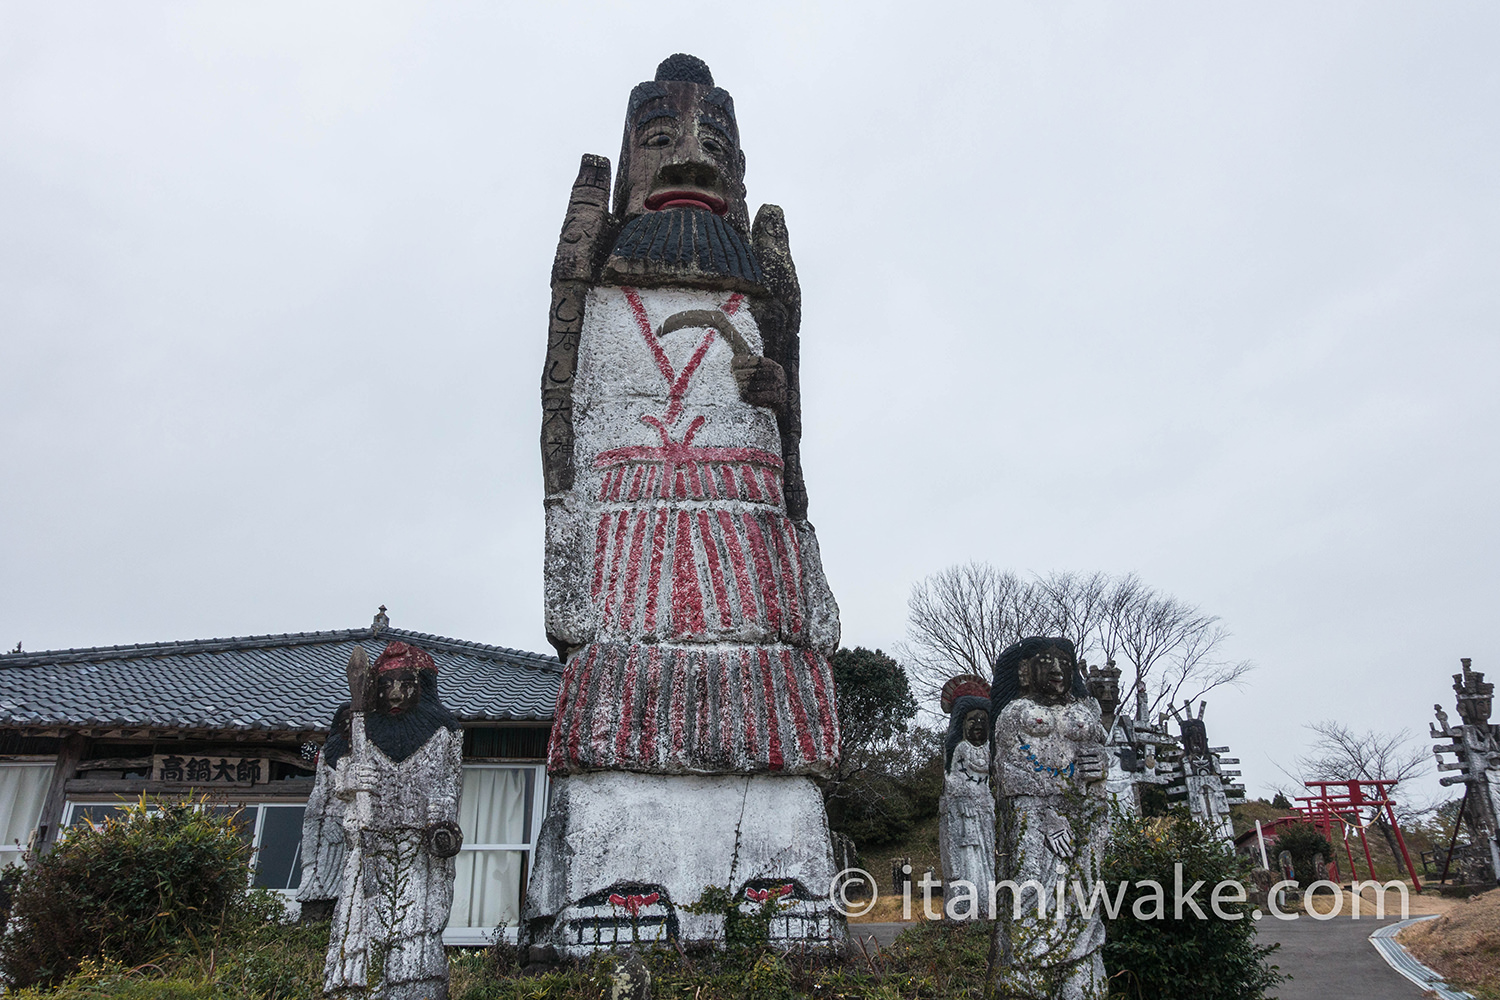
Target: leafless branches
1340 754
961 618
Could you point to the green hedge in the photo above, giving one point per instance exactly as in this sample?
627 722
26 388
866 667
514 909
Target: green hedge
1186 959
128 890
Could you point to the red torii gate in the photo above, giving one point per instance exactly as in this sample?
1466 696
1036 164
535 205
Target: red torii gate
1342 801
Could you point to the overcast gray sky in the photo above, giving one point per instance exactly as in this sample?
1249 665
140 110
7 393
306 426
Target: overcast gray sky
1204 291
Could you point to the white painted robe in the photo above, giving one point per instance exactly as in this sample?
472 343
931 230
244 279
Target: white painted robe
702 611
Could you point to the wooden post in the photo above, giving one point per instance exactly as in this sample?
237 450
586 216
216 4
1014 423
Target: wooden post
69 756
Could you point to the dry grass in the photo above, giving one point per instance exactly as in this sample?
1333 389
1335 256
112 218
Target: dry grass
1463 944
888 907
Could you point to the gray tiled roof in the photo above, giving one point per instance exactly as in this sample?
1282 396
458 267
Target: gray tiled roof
279 683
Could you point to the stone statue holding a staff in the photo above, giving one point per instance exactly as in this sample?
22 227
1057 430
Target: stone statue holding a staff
402 779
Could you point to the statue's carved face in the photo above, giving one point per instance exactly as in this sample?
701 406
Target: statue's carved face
396 691
1045 677
976 727
683 151
1475 709
1195 737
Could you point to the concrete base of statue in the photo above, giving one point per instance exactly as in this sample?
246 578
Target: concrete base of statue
621 854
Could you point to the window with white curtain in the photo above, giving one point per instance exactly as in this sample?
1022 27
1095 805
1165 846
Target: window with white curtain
498 814
22 789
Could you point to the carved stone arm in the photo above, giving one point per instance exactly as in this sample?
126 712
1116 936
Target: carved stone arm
587 232
780 321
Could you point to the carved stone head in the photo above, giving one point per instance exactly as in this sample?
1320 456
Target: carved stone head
397 686
1194 737
1476 695
968 720
1046 676
682 147
977 727
1104 684
1042 668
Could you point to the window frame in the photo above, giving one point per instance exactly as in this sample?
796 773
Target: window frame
540 793
9 854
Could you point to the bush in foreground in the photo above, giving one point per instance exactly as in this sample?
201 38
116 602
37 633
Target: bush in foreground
128 890
1186 959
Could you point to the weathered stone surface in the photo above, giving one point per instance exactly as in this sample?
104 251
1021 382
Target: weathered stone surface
966 811
1138 755
1475 748
1200 778
620 854
631 980
1050 764
323 846
401 778
683 584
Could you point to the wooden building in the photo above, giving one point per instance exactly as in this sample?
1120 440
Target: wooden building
240 720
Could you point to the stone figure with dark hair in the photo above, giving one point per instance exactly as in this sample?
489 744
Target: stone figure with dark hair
323 846
683 584
1050 764
401 778
966 812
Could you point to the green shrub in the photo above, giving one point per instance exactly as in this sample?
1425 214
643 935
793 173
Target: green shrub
1186 959
128 890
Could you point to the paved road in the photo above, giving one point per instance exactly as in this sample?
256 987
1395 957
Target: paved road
1327 959
1333 958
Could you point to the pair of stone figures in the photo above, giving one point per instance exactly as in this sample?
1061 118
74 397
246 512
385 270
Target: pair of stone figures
380 832
1048 765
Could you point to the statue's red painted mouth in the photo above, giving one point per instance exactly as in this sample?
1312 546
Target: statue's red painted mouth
688 198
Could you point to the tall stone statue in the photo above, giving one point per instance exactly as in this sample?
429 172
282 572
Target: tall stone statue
1050 764
323 847
684 588
401 778
1475 747
966 812
1199 775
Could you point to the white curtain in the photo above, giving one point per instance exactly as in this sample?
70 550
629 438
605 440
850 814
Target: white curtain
22 789
487 890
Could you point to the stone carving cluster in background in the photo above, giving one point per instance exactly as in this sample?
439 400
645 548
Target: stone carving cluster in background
1198 774
1138 748
1474 745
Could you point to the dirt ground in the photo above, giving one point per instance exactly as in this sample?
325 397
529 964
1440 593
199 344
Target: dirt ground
1463 944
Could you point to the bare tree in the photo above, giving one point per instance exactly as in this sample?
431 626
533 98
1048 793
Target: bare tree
961 618
1341 754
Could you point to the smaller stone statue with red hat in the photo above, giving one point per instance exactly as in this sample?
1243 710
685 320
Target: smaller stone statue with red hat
966 812
401 778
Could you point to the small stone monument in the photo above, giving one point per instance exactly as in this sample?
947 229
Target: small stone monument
1050 764
684 590
323 845
401 779
966 812
1198 775
1475 747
